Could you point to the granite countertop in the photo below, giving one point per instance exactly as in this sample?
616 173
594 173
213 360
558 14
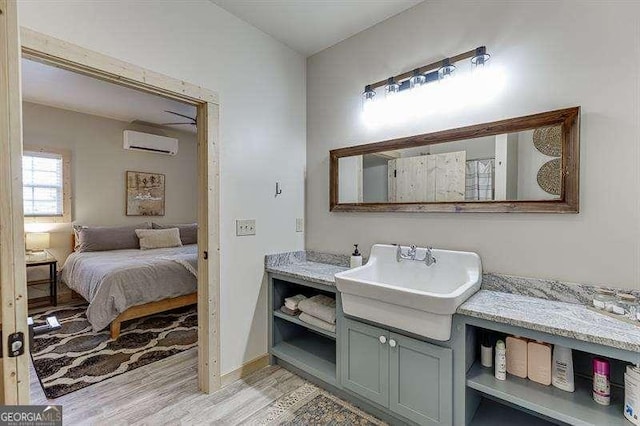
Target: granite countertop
547 306
554 317
309 266
316 272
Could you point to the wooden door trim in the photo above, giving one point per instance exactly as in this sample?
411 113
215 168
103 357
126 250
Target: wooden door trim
12 271
62 54
59 53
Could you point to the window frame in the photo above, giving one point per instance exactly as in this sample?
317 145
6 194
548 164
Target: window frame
65 217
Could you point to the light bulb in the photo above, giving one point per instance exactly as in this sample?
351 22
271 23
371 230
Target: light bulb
480 58
417 79
392 88
367 96
446 70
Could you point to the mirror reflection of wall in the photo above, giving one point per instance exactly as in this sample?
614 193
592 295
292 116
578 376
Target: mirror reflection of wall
506 167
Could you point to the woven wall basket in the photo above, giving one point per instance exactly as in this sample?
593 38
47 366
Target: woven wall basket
550 176
548 140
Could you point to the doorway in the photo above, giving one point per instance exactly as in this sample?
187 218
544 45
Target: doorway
54 52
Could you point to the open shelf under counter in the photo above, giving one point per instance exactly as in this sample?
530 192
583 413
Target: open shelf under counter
310 352
576 408
298 321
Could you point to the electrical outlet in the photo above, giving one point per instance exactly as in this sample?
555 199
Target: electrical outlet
245 227
299 224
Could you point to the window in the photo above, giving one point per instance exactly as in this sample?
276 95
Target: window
44 176
42 182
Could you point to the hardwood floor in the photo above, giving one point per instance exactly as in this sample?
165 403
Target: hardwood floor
166 392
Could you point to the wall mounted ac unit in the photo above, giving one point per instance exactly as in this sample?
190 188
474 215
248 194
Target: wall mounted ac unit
138 141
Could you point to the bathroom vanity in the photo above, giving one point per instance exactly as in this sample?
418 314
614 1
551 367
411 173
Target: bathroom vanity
407 378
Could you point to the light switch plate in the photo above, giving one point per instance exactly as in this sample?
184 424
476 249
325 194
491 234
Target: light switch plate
299 224
245 227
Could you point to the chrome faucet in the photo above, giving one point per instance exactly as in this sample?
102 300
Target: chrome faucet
411 253
428 258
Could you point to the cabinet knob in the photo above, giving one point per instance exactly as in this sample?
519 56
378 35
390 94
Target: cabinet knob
382 339
392 343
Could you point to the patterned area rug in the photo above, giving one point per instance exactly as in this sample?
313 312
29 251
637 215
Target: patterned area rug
75 356
311 405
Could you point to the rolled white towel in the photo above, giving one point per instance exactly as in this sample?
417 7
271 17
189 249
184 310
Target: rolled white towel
293 301
317 322
320 306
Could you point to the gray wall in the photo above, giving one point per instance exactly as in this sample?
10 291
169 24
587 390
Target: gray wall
546 50
375 179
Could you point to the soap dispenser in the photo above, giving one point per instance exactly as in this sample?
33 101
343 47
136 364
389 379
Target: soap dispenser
356 258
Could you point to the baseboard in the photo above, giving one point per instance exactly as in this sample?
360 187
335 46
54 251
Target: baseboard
245 369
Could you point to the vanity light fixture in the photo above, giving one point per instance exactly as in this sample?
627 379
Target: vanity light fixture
481 57
417 79
446 70
392 87
428 73
420 97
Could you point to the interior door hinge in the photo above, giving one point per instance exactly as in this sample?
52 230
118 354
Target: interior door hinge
206 255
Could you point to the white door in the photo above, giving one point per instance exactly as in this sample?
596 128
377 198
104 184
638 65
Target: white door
412 179
13 288
450 176
427 178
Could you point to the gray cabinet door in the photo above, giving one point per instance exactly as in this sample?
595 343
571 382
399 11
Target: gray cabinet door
420 379
365 361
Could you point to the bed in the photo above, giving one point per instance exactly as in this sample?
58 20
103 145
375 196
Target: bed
126 284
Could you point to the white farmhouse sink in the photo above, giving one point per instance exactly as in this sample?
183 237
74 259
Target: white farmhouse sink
408 294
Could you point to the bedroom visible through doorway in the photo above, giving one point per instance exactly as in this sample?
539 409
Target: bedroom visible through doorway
110 178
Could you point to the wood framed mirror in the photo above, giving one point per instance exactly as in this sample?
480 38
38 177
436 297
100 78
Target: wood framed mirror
519 165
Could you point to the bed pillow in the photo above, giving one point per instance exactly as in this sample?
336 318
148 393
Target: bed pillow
102 238
159 238
76 235
188 231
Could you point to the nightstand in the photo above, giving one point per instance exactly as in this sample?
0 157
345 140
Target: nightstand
45 259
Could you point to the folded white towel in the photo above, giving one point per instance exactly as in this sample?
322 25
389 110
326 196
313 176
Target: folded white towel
317 322
320 306
292 302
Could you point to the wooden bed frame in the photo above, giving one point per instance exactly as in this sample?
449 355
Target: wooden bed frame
150 308
145 309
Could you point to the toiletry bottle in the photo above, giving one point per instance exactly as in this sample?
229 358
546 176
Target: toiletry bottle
601 383
539 362
486 351
517 356
501 361
632 394
562 374
356 258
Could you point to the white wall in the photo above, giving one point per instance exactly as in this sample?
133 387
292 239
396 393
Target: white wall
98 166
350 184
262 92
475 149
555 54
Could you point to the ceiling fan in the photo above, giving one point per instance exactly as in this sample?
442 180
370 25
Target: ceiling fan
192 120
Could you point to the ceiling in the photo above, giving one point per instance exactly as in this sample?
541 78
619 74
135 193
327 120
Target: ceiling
309 26
56 87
